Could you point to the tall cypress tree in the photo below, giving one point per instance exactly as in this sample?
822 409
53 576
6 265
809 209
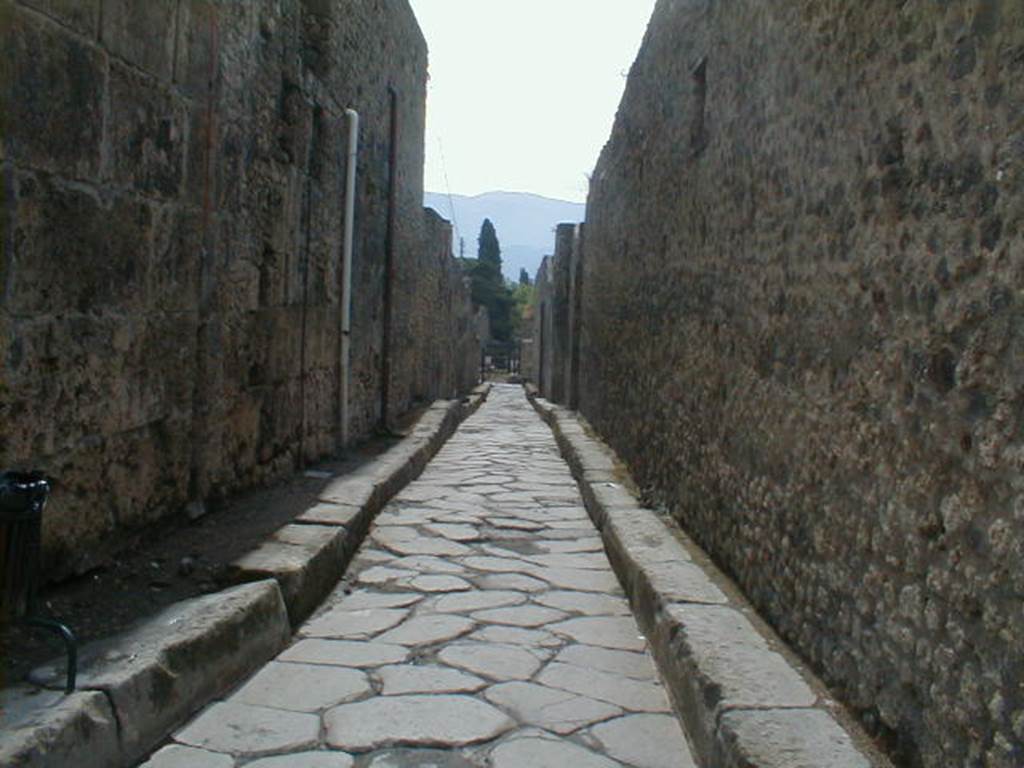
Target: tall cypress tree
488 285
488 248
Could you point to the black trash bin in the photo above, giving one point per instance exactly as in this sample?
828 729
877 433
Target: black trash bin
22 501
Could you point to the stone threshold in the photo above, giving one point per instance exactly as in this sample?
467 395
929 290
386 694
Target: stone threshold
137 687
743 696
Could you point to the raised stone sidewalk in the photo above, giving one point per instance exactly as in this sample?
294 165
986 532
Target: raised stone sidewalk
480 625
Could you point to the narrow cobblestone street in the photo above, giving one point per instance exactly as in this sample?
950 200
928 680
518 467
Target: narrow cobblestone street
479 625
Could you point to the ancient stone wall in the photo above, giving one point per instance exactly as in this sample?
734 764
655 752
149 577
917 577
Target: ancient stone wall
435 342
528 355
543 361
556 317
803 306
172 220
573 317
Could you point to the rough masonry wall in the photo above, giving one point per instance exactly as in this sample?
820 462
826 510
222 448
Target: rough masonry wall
172 215
554 315
543 328
436 348
804 329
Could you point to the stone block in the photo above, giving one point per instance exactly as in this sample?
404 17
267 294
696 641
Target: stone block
351 490
77 533
53 731
80 15
559 711
302 687
178 756
541 751
414 720
109 252
250 731
306 560
52 92
568 450
201 168
714 660
646 739
660 582
147 131
168 667
318 759
639 530
195 68
142 34
398 467
598 476
359 654
146 470
281 330
175 275
345 515
601 497
122 373
594 457
784 738
654 568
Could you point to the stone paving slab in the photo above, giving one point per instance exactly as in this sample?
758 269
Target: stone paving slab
357 623
319 759
246 730
345 653
303 687
480 624
642 740
180 756
416 720
558 711
426 678
539 752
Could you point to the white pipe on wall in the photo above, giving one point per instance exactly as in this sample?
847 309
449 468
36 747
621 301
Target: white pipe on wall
346 271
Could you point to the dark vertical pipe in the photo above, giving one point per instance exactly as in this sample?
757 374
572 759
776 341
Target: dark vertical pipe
389 264
307 223
200 430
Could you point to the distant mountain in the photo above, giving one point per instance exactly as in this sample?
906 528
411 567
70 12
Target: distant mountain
525 224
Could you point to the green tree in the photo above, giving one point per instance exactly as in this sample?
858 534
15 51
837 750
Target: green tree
488 247
487 284
522 300
524 277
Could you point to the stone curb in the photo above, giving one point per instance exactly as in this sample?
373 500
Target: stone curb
309 556
744 705
137 687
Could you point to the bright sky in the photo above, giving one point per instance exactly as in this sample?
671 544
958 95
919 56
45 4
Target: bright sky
523 93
